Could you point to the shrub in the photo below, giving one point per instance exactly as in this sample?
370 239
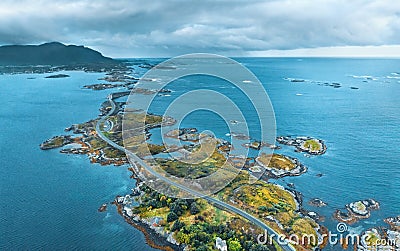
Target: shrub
171 217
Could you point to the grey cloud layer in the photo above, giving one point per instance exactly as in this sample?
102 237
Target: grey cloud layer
173 27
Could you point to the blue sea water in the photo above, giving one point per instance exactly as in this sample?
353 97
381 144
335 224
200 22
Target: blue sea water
50 200
361 127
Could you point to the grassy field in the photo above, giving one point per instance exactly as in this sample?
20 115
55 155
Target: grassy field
193 171
277 161
312 145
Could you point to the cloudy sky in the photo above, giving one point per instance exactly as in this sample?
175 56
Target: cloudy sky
151 28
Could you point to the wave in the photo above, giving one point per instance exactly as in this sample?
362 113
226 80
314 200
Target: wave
296 80
366 77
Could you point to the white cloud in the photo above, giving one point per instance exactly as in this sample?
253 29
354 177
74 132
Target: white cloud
167 28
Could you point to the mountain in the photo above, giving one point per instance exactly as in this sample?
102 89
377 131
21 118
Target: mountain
53 53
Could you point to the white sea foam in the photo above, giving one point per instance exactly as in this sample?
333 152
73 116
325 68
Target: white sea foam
296 80
355 230
367 77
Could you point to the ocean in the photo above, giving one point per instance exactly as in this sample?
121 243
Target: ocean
50 200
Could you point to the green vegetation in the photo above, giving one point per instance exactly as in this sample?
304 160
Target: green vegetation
58 141
198 223
372 239
153 119
265 199
113 153
312 145
97 143
193 171
234 245
172 217
360 206
155 149
194 209
277 161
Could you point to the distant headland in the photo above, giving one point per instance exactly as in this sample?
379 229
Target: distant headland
54 57
53 53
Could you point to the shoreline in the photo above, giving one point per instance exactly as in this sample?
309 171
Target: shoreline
152 238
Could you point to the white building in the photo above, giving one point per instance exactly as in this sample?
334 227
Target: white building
220 244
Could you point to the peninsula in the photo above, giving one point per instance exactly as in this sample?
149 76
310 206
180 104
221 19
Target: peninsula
54 57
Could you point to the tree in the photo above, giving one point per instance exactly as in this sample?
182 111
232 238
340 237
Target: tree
171 217
262 208
177 225
194 209
181 237
176 208
234 245
153 203
259 247
202 248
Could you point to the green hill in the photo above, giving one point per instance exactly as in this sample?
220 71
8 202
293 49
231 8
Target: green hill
54 53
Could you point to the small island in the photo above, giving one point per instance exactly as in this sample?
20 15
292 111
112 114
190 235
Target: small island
315 202
382 238
257 145
97 87
58 76
321 83
308 145
357 210
278 166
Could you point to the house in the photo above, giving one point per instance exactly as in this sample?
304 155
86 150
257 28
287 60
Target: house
220 244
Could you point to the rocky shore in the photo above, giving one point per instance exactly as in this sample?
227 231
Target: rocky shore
394 222
155 236
356 210
275 172
87 143
315 202
257 145
97 87
379 238
56 142
184 134
308 145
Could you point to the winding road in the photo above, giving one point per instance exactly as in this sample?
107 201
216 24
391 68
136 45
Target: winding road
274 235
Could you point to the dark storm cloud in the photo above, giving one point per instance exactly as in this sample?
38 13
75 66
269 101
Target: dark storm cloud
153 28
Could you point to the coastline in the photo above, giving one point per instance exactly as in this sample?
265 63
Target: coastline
153 239
143 228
